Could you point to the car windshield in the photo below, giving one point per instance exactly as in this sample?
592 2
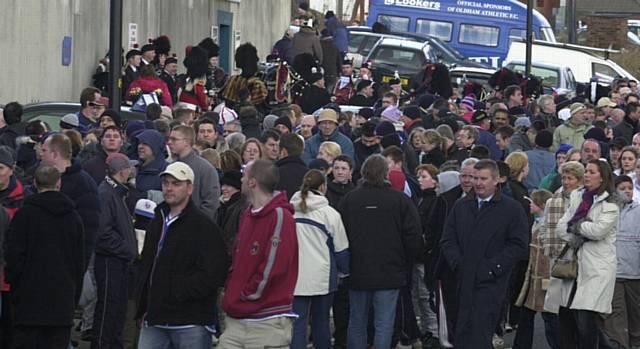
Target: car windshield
398 57
550 77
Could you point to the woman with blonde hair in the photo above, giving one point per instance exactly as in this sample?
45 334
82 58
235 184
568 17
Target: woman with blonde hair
329 151
323 256
589 229
432 144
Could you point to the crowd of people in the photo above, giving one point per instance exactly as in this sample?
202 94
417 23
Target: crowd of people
431 213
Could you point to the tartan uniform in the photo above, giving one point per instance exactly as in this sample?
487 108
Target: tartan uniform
257 89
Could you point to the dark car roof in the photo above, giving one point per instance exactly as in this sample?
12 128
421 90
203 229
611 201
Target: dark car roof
51 112
451 54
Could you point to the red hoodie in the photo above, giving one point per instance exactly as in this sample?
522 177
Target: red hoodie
264 271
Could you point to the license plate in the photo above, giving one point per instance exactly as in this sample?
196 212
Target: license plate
387 78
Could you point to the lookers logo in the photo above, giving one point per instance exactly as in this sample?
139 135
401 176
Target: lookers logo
426 5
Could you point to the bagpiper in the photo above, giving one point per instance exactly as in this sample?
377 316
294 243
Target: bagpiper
345 87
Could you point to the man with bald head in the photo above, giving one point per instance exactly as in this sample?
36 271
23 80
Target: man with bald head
306 126
590 150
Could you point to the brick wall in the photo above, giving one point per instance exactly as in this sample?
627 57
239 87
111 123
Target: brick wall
606 31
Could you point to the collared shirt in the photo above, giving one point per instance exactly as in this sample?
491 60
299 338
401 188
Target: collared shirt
481 201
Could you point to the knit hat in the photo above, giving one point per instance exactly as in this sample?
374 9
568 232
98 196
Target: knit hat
7 157
392 113
597 134
576 107
564 148
114 115
319 164
544 139
425 101
118 162
385 128
522 121
411 111
468 102
69 121
232 178
269 121
283 120
363 84
366 113
445 131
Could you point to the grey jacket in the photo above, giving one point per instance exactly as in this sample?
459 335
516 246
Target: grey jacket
628 242
206 189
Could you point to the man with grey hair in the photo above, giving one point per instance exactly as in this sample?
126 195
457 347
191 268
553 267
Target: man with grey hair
379 221
485 235
231 127
547 112
590 150
235 141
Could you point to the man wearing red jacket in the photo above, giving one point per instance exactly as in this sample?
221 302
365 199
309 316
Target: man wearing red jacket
259 292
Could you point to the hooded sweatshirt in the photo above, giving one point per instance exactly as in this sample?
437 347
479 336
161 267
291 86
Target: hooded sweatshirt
264 271
148 177
45 260
322 245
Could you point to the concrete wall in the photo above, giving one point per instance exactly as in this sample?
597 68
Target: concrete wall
32 31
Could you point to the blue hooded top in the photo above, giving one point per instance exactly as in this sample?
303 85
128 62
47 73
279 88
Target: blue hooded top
148 177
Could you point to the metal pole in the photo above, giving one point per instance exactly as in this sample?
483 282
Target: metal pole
571 21
529 37
115 54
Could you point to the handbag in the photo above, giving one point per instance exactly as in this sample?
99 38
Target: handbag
566 266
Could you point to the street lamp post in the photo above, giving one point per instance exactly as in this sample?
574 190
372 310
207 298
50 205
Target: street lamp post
115 54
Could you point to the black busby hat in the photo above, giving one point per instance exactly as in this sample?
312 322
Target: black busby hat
362 84
208 45
196 62
531 87
246 58
502 78
304 64
366 64
162 45
347 61
396 79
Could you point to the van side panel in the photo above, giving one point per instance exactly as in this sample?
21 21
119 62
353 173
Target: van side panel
478 29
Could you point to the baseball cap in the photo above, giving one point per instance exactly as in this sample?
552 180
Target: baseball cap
118 161
180 171
478 116
605 102
576 107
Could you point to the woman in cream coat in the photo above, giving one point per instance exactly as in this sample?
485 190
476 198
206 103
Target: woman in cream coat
589 225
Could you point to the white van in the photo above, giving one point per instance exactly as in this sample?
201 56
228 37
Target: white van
585 62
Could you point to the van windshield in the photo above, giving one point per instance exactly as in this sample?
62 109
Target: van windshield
395 23
550 77
478 35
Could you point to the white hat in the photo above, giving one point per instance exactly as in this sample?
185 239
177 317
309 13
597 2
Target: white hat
564 114
180 171
145 208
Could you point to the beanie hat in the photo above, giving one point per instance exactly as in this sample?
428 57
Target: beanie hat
392 113
468 102
411 111
544 139
269 121
366 113
385 128
597 134
425 101
69 121
114 115
232 178
368 129
445 131
564 148
283 120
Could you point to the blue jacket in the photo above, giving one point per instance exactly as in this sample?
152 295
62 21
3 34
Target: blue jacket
148 177
339 32
116 236
487 139
312 145
541 163
284 47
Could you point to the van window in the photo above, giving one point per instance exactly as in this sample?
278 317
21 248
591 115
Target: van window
549 77
398 57
395 23
603 72
441 30
571 80
354 42
478 35
518 34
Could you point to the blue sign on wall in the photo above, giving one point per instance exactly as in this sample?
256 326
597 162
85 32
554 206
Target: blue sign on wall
66 51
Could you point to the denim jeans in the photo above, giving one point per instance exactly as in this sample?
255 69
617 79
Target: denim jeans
316 307
196 337
384 310
524 335
578 329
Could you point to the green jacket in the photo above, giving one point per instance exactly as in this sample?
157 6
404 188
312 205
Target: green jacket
569 134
